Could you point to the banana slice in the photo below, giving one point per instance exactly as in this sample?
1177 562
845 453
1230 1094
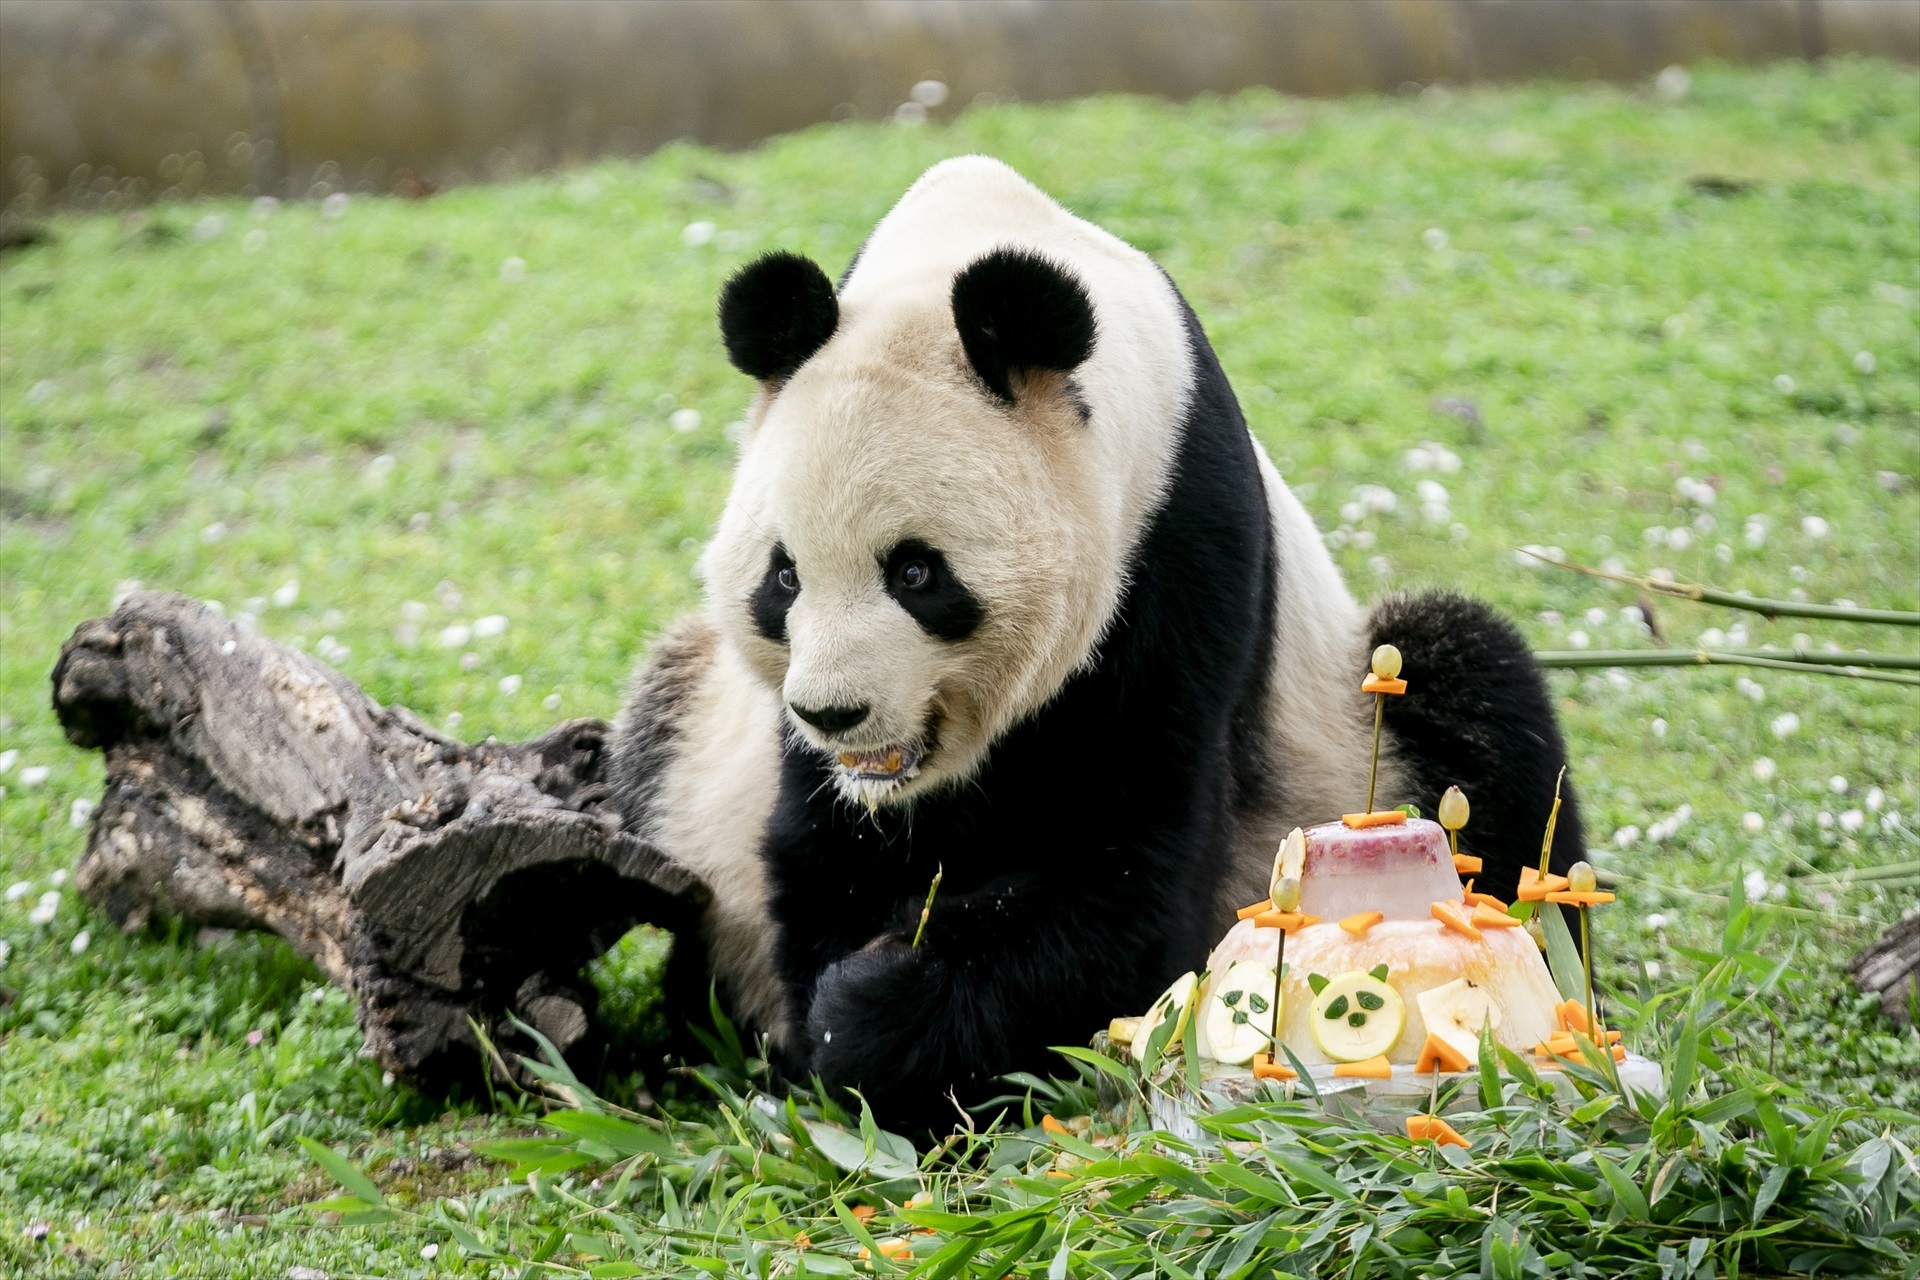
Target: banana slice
1356 1015
1455 1011
1171 1004
1238 1014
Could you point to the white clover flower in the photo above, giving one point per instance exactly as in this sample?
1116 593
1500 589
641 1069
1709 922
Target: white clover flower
469 661
1596 617
1752 689
1713 638
1785 725
1352 513
386 1078
910 113
6 952
1755 883
1633 615
287 593
1434 238
453 719
1852 820
45 910
1679 538
1815 527
80 813
1655 535
1837 784
214 532
695 234
1363 539
33 775
455 636
1875 798
18 890
929 93
1655 922
413 611
1375 497
551 702
1579 639
1737 635
1626 836
58 878
1723 553
427 1251
685 420
1753 823
1551 617
1432 491
1653 970
1380 565
1673 82
330 650
209 227
1704 523
81 941
1755 531
1659 727
1783 383
1824 820
1619 679
1337 538
335 205
1436 512
493 624
1890 821
1864 361
9 758
510 685
1417 458
513 270
1445 460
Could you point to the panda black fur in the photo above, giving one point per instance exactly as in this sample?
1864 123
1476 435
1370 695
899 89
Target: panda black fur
1007 591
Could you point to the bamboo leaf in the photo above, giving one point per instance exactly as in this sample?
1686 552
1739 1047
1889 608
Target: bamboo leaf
343 1171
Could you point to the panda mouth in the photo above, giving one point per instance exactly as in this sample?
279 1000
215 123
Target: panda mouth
892 763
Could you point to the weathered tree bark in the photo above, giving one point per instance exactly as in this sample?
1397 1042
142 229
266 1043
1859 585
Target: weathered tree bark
1890 968
251 786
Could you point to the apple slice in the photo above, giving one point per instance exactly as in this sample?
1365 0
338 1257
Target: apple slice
1455 1012
1171 1004
1356 1015
1238 1013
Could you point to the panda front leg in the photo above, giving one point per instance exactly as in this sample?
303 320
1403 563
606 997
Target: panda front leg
922 1032
1478 715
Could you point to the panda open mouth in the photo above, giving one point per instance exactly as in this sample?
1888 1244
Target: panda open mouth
890 763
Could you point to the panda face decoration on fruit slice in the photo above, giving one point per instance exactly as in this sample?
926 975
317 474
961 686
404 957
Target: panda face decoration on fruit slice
914 554
1356 1015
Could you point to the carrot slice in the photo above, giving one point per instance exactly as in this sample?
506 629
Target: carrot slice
1592 899
1437 1055
1374 684
1265 1068
1286 921
863 1211
1449 915
1534 886
1049 1125
1247 913
1573 1015
1434 1129
1375 1068
1466 864
1358 925
1485 917
1378 818
1483 900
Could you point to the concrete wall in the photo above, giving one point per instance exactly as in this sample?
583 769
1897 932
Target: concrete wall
104 102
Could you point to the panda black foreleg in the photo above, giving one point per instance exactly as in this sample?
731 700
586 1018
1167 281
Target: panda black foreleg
996 979
1478 715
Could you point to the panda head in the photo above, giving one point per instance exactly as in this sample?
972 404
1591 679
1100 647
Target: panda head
912 556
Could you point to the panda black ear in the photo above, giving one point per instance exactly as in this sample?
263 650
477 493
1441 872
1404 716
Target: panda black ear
1018 311
775 313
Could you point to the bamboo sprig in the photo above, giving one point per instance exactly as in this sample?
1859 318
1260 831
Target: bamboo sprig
1884 667
1700 594
939 873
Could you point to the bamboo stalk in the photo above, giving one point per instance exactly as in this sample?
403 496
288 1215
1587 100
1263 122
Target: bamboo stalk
1754 604
1884 667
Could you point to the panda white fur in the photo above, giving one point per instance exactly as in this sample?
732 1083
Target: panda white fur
1006 589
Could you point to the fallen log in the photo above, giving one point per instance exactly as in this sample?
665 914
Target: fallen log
444 884
1890 969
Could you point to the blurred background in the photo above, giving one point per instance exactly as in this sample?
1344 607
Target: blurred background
113 102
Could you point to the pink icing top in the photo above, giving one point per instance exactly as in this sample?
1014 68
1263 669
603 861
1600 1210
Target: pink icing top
1399 870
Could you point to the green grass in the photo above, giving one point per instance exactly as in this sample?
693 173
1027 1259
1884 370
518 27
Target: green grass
372 407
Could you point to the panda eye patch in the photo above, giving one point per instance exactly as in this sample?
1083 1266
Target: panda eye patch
770 601
921 582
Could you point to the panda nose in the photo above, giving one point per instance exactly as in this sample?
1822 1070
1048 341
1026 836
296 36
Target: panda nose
831 719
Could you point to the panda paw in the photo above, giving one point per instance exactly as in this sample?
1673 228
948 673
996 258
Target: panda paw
876 1015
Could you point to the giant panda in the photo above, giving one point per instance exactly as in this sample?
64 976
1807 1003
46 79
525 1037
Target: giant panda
1006 592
